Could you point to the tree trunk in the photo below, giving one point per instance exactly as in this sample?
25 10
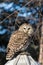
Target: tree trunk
41 46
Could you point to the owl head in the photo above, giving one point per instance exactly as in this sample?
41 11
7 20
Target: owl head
26 28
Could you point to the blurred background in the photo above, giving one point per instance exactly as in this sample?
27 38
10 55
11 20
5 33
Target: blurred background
13 13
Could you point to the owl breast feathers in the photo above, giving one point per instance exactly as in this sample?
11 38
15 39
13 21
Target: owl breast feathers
18 40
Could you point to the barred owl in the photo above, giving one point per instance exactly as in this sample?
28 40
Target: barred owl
19 40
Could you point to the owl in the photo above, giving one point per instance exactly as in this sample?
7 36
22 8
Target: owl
19 40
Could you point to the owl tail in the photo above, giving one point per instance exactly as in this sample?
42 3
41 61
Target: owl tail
9 55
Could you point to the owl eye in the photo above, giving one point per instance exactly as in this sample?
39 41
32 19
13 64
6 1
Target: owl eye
24 28
28 28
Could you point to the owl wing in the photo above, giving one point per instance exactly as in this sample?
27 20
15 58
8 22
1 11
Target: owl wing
16 43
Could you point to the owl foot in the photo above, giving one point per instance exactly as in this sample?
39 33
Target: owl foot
24 53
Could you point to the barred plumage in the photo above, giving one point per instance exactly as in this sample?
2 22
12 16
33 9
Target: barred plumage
19 40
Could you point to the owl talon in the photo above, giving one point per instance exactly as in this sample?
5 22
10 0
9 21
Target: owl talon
24 53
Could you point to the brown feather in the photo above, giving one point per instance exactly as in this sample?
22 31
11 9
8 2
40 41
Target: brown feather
18 41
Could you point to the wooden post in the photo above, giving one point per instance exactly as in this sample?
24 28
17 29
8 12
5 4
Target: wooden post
41 46
22 60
